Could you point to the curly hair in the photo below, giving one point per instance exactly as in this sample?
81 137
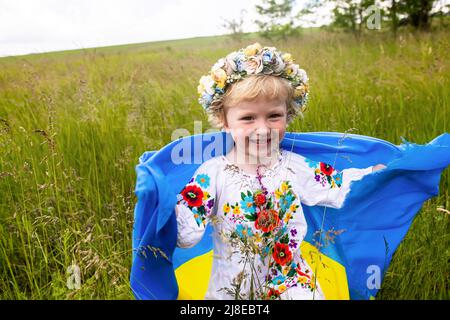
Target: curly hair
249 89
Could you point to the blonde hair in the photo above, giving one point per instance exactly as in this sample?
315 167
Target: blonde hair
249 89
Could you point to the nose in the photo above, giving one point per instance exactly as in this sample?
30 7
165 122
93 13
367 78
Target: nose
261 129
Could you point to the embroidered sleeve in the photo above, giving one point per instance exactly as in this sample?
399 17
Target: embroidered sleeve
194 206
321 184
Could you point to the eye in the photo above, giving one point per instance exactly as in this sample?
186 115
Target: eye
275 115
247 118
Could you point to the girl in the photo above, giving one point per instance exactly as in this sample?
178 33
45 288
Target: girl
252 195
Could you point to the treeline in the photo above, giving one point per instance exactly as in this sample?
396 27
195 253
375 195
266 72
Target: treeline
283 18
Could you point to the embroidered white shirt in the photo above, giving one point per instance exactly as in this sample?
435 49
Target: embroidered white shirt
226 196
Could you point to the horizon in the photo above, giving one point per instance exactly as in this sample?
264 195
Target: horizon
52 26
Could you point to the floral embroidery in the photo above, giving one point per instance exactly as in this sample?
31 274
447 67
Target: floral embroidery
236 209
286 202
244 231
203 180
247 202
197 198
267 220
293 244
311 163
264 220
193 195
260 198
273 294
323 173
279 280
281 254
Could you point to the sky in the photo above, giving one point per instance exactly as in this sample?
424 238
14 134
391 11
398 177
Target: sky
36 26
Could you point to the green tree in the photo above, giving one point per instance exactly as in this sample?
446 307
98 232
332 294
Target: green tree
418 13
276 20
351 15
393 15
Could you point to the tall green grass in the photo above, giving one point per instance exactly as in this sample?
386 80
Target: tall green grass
73 124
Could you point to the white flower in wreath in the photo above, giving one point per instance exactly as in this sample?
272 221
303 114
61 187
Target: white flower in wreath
206 85
230 62
254 65
292 70
219 64
303 76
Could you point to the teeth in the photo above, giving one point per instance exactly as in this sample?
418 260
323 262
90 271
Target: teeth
261 142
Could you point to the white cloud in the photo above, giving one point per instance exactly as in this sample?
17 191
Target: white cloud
28 26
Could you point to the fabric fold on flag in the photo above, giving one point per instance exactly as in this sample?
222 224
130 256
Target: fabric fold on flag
374 219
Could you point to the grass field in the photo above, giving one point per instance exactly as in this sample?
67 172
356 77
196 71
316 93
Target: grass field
73 124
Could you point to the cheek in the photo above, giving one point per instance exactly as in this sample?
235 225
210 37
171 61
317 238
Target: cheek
237 130
279 129
280 126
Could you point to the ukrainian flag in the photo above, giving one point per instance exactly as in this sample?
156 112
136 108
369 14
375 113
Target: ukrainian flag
376 215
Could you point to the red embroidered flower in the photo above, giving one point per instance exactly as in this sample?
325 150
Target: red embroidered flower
281 253
193 195
267 220
259 199
326 168
273 294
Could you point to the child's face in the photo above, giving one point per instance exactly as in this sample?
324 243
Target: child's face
258 126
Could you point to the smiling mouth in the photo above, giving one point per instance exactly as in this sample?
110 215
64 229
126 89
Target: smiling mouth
261 142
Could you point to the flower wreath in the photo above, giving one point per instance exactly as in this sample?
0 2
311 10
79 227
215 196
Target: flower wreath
253 59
